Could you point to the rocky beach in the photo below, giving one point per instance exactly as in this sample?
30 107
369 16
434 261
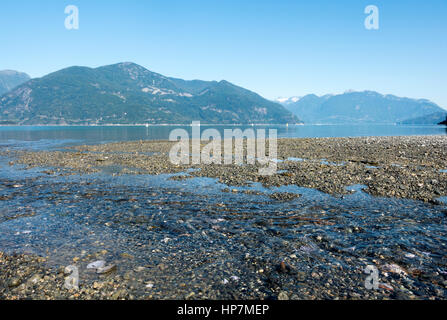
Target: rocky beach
402 167
165 231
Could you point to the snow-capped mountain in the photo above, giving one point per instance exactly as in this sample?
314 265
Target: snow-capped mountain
359 107
287 101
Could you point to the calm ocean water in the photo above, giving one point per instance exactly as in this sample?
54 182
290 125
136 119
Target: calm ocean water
102 134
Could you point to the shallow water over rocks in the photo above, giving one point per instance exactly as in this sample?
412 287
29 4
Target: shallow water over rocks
193 232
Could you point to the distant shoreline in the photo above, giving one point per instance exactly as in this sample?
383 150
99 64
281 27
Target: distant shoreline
156 125
219 125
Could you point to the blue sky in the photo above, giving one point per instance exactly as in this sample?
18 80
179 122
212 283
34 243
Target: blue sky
275 48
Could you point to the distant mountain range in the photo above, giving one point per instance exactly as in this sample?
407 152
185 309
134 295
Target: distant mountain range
127 93
361 107
10 79
431 119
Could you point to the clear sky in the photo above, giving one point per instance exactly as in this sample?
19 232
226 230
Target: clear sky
275 48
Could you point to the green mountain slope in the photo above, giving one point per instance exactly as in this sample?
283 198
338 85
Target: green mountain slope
127 93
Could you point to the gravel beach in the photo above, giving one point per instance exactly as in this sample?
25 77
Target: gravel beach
402 167
195 239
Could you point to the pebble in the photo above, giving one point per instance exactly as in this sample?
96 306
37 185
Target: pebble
35 279
97 285
127 256
14 282
107 269
386 286
394 268
283 296
96 265
189 295
149 285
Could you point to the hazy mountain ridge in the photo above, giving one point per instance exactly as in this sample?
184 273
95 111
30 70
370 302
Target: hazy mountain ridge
360 107
9 79
431 119
127 93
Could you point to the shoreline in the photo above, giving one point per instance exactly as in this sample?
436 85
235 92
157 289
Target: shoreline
411 167
219 125
158 125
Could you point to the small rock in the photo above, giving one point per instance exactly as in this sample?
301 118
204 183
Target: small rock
128 276
394 268
386 287
189 295
14 282
96 265
98 285
162 266
107 269
119 294
127 256
301 276
149 285
35 279
283 267
283 296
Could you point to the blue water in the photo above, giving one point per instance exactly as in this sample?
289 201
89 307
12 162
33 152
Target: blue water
102 134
